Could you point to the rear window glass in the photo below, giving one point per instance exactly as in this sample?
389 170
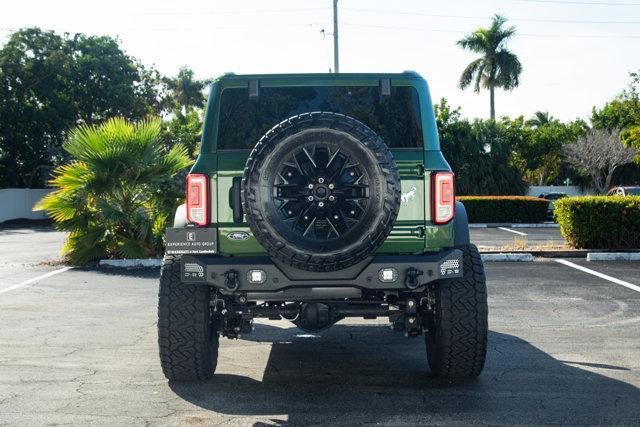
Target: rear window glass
396 118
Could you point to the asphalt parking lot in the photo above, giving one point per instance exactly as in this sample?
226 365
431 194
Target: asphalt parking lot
505 237
79 346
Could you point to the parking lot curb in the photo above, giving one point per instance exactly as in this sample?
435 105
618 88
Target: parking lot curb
507 257
613 256
130 263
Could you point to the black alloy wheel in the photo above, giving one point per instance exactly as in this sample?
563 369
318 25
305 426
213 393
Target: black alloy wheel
321 191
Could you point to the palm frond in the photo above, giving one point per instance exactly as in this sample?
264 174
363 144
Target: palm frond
475 42
59 206
86 246
130 248
470 72
74 175
508 69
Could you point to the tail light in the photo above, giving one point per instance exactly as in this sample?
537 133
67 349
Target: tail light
444 200
197 199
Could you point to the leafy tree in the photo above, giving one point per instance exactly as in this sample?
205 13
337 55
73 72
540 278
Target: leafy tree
623 112
116 195
497 67
538 152
599 153
49 84
479 153
631 138
186 90
108 83
184 129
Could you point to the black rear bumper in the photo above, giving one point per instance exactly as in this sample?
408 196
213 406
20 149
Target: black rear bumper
404 272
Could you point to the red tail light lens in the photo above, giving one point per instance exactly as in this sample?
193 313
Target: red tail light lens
197 199
444 201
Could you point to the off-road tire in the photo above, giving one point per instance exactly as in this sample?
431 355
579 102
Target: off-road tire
378 216
186 336
456 335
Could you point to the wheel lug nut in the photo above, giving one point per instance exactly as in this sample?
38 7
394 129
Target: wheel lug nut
310 198
289 212
321 204
320 180
331 186
289 174
332 198
310 186
335 217
351 174
352 212
306 217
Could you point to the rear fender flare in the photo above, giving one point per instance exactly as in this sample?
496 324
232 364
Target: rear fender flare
461 226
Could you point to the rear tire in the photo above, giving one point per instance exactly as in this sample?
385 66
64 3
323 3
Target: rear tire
186 336
456 336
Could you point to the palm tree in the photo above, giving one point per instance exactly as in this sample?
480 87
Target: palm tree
187 91
541 118
497 67
116 195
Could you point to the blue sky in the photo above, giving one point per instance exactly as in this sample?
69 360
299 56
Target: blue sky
575 54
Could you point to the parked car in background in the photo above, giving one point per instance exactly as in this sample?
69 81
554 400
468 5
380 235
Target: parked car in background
624 191
552 197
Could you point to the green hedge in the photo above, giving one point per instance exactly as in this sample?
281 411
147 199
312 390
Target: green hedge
514 209
600 222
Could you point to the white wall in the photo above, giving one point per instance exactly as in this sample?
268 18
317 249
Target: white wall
570 190
16 203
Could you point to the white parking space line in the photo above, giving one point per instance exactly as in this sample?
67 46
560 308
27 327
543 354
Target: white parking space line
600 275
35 279
513 231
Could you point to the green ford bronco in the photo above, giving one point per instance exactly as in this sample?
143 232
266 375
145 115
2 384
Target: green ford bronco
317 197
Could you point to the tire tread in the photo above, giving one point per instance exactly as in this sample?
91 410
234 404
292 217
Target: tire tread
188 346
460 345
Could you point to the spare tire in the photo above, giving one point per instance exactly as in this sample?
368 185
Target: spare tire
321 191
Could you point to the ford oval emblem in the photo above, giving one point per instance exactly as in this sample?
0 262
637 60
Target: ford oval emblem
237 235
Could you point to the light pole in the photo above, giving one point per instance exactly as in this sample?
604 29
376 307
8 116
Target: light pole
336 60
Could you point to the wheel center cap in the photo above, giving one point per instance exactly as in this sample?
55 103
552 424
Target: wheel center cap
321 192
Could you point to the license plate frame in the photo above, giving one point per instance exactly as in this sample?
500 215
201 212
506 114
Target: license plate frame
191 240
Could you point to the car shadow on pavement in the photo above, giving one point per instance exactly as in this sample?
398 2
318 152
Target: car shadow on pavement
367 374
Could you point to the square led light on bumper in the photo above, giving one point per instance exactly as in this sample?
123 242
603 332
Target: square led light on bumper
388 275
256 276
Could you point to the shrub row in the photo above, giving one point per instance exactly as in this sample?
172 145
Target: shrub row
514 209
600 222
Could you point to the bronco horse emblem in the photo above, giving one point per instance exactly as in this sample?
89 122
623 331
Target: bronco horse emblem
405 197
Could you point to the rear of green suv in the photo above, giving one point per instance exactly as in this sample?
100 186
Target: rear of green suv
317 197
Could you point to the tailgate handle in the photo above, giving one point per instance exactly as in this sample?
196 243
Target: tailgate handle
236 199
